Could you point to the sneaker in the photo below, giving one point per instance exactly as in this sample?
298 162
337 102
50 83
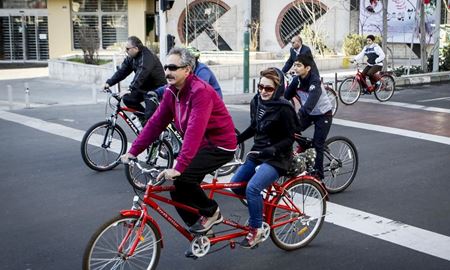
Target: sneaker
203 224
377 85
253 237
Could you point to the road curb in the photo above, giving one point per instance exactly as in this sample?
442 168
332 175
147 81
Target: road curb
424 78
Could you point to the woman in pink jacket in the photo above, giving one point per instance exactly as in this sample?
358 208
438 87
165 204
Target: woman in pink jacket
209 139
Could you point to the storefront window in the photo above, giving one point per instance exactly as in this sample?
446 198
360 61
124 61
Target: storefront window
23 4
108 17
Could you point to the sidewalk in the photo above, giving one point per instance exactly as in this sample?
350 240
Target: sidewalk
44 91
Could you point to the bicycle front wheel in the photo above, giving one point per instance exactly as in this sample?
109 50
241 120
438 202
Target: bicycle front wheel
109 247
298 214
349 91
340 164
102 145
238 155
159 156
386 90
333 98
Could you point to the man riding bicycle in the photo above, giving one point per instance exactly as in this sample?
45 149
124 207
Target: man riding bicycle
315 108
209 139
149 75
375 57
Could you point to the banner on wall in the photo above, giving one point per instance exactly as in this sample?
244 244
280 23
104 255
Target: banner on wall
402 18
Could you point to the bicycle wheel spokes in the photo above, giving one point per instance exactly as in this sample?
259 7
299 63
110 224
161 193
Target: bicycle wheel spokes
386 89
110 247
349 91
295 227
102 146
340 164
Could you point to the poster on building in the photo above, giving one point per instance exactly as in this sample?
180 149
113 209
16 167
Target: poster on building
402 18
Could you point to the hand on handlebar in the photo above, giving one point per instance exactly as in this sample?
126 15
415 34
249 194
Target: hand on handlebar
169 174
106 87
125 159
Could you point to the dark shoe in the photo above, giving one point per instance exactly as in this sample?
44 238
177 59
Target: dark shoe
253 237
203 224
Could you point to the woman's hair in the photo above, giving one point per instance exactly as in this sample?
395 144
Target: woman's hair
187 59
271 74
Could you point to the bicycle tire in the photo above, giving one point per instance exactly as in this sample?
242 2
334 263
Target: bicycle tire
103 158
340 164
309 198
163 160
349 91
239 154
150 240
332 95
386 89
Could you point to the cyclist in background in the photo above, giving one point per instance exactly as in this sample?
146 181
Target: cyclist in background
149 75
273 124
209 139
315 107
202 71
375 57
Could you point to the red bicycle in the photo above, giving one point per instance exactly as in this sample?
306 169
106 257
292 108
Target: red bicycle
294 212
351 88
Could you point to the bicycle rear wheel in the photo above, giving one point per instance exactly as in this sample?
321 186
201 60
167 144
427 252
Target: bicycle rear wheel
386 90
305 200
349 91
333 98
238 155
340 164
102 145
159 156
103 252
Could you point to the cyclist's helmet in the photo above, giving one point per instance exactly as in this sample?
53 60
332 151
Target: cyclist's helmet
194 51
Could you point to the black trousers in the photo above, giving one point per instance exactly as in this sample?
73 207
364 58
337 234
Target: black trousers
187 185
371 71
322 124
133 100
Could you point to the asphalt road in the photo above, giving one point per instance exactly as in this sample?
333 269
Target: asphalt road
52 203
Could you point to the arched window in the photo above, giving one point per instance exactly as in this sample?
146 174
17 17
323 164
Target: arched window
295 16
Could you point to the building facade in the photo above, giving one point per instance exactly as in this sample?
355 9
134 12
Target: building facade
36 30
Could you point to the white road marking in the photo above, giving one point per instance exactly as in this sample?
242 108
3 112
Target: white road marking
395 131
389 230
434 99
406 105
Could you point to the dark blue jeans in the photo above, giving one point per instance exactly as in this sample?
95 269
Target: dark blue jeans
322 124
257 181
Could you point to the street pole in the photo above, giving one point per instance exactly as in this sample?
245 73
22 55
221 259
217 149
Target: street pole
247 20
423 49
385 28
436 35
162 35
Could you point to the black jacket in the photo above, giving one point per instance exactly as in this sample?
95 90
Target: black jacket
293 55
149 73
274 132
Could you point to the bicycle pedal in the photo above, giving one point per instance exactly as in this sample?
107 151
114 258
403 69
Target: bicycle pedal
189 254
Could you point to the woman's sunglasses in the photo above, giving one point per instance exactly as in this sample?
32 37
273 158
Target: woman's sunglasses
267 88
173 67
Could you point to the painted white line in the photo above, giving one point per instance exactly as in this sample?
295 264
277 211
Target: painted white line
389 230
376 226
406 105
395 131
434 99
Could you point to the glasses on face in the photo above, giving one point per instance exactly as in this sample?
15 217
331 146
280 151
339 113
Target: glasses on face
267 88
173 67
127 49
